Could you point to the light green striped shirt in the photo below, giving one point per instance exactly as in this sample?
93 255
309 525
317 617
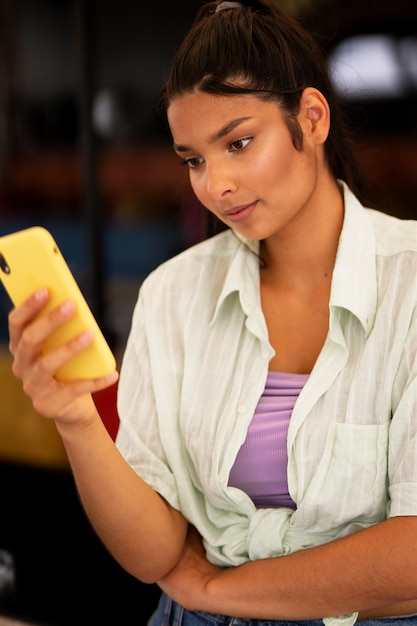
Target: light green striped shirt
196 364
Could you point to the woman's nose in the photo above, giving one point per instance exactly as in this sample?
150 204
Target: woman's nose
220 180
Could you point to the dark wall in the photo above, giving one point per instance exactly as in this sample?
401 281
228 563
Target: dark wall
64 576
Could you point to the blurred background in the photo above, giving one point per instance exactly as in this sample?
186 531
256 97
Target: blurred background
83 153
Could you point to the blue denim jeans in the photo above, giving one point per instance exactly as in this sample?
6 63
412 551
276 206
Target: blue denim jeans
170 613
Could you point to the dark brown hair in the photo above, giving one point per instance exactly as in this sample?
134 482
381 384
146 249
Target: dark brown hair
258 49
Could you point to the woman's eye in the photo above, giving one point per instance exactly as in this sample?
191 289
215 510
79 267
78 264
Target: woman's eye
239 144
192 162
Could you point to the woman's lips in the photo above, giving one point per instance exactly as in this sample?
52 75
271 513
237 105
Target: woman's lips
240 213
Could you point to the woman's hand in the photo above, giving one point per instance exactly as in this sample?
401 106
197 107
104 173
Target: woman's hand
185 583
63 402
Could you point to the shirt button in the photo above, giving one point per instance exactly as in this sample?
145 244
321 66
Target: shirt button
242 408
221 478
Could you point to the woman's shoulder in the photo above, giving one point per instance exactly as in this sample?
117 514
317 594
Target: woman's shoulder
191 282
202 256
203 265
393 235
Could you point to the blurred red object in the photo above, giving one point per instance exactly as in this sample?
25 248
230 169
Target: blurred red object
106 403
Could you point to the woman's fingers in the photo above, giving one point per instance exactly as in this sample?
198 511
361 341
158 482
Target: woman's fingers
22 315
28 333
27 336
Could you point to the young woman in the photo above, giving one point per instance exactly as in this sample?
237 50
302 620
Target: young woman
265 469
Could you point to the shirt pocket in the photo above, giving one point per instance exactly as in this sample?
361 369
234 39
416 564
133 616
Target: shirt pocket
349 485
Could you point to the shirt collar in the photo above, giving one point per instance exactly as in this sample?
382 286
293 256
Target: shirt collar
354 282
354 275
243 273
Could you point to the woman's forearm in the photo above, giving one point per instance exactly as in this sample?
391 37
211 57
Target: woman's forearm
138 527
372 568
368 569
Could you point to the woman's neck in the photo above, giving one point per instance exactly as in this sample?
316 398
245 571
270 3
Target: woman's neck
304 253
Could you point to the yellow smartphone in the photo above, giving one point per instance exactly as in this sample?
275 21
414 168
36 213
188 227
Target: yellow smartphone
30 259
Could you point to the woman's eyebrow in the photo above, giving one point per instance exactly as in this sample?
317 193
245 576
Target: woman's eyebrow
225 130
222 132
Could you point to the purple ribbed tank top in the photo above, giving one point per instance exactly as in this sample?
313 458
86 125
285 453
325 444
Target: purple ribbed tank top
260 468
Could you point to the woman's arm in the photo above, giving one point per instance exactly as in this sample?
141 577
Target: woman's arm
138 527
141 530
366 571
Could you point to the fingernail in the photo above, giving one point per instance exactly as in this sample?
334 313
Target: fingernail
67 306
85 337
112 378
41 293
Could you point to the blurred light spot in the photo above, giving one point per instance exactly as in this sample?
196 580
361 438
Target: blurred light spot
374 66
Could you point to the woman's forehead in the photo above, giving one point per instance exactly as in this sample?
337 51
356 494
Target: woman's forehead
213 116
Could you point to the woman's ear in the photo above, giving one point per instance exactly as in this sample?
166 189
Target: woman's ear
315 114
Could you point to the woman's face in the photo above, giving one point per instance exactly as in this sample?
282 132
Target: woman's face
242 163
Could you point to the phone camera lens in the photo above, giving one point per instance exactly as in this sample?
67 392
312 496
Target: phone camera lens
5 268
